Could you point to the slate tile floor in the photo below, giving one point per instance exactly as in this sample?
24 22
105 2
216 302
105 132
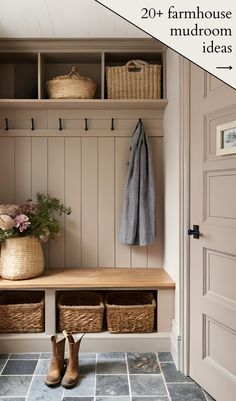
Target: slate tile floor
103 377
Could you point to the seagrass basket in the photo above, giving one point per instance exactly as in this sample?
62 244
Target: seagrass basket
130 311
21 258
22 312
71 86
80 311
135 80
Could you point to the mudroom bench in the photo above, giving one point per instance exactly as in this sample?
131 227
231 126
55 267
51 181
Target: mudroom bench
54 280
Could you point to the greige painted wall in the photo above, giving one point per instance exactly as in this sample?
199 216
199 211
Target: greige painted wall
172 172
87 170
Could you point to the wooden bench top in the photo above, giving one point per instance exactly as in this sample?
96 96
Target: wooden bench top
95 278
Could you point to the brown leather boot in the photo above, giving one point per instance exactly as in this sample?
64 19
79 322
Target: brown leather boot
71 375
57 368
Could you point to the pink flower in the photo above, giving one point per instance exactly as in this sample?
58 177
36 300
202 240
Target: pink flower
6 222
22 222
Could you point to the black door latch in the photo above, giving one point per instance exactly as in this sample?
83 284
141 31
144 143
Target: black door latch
194 232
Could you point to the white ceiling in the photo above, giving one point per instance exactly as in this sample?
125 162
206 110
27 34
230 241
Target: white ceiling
61 19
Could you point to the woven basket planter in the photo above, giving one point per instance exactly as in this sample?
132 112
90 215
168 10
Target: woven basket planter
130 312
71 86
21 258
80 311
135 80
22 312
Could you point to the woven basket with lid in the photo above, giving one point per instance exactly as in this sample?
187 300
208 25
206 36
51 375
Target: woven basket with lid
71 86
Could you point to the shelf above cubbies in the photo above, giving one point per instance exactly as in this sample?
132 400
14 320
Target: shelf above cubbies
83 104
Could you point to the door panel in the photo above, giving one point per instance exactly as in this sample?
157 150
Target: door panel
213 256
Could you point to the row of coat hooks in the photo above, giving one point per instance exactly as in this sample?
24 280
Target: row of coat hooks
60 124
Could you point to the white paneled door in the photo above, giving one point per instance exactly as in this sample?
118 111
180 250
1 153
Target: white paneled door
213 255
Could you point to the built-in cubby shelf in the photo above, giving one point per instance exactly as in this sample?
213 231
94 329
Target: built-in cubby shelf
24 71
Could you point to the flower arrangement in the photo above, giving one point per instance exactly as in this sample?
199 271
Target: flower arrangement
32 219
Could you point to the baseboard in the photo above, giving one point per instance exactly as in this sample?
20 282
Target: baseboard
175 344
98 342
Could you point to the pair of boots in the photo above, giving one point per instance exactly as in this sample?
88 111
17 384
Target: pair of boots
64 371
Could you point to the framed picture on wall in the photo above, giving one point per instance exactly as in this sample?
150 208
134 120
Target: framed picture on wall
226 139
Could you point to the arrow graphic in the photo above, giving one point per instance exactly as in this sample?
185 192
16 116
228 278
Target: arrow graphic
225 67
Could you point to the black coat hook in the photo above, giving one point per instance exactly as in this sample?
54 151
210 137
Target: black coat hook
6 126
32 124
60 125
140 121
86 124
112 124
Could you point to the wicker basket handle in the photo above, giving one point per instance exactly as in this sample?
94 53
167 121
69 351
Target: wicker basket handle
135 65
74 71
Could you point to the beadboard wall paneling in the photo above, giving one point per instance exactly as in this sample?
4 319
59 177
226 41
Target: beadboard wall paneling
87 170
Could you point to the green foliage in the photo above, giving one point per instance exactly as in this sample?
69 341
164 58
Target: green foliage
43 224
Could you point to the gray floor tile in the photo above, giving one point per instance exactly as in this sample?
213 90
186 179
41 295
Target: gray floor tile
185 392
165 357
84 388
40 392
111 355
115 365
112 385
16 367
143 363
120 398
45 355
172 375
87 355
12 399
25 356
2 363
87 366
147 385
78 399
150 399
42 367
14 386
4 356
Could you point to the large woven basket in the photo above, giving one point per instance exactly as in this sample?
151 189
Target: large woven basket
135 80
21 258
71 86
80 311
130 312
22 312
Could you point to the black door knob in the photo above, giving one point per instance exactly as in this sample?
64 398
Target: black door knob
194 232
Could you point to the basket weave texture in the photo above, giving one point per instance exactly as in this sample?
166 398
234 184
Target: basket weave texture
71 86
21 258
22 312
130 312
135 80
80 311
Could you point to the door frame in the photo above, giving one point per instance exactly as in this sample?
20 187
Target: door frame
184 262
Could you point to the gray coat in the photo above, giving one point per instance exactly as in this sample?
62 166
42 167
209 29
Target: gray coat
138 217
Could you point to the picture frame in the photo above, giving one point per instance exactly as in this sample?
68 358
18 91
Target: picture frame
226 139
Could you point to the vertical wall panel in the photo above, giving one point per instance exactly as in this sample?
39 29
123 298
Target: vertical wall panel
106 202
73 199
155 250
56 188
23 189
122 145
7 170
139 256
39 165
89 203
39 176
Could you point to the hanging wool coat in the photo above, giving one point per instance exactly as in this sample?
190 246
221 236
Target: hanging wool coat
138 217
